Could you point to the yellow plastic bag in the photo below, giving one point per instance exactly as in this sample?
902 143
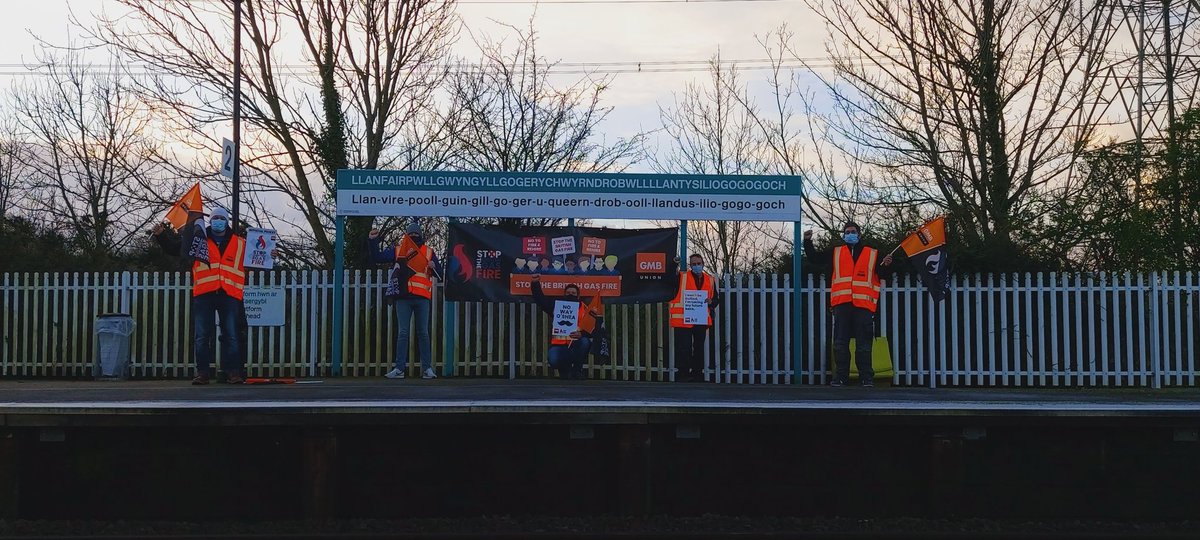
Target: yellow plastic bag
881 358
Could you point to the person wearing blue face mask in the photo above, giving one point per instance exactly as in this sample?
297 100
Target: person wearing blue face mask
857 271
689 338
215 254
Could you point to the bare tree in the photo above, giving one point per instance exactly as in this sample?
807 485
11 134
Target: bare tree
980 109
90 154
509 116
357 95
714 129
12 168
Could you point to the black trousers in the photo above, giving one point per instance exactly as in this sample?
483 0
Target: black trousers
689 352
858 323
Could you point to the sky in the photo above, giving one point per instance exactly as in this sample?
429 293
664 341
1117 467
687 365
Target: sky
620 33
671 39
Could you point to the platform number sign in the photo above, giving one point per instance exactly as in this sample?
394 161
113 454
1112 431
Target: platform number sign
227 158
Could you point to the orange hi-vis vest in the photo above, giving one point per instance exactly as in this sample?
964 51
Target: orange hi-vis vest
855 281
557 340
225 272
420 284
687 282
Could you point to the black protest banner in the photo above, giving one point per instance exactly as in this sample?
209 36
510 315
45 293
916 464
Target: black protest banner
622 266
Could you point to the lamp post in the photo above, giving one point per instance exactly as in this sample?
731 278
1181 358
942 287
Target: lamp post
237 107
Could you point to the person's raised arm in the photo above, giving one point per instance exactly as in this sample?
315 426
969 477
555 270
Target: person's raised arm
539 298
888 266
812 256
376 251
167 239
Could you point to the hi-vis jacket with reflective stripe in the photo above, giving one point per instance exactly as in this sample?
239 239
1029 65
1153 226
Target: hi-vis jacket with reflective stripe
420 284
225 272
855 281
687 282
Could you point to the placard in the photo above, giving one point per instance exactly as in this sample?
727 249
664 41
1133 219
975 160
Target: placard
695 307
593 245
534 245
264 306
259 245
563 245
566 318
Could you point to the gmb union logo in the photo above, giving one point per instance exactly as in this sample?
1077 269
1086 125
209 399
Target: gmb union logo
651 263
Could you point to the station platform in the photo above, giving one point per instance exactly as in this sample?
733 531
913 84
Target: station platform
343 400
378 448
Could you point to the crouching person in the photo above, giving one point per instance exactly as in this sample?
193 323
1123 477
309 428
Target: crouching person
567 354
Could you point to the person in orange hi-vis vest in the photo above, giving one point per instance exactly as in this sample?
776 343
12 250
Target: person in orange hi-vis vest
410 288
217 285
690 337
567 354
857 271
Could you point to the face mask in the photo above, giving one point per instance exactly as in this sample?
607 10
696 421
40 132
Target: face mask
850 238
218 225
697 268
417 239
571 296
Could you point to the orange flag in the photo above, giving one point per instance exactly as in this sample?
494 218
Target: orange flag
407 246
931 235
419 262
191 202
596 305
588 322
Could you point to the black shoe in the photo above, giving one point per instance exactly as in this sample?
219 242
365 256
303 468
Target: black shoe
837 383
201 379
868 384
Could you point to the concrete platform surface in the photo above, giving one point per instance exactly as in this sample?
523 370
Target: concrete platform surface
345 395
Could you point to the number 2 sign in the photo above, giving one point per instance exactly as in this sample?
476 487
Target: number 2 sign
227 158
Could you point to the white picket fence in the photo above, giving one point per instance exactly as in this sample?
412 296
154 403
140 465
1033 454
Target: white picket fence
993 330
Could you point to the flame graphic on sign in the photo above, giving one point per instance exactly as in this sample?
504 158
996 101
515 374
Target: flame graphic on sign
262 242
465 269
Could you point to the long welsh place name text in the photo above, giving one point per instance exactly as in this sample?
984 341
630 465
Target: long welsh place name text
583 183
482 201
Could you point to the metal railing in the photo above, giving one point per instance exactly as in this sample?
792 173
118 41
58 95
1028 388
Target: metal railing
993 330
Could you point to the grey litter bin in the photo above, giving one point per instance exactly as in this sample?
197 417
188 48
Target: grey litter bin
113 332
